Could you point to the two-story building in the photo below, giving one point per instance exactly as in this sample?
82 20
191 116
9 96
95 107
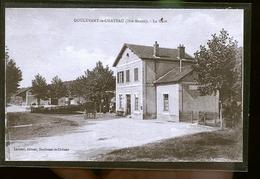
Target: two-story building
155 82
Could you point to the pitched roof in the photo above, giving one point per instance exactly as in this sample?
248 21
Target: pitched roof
21 90
146 52
68 84
174 75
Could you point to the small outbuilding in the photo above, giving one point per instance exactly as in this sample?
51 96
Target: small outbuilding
178 96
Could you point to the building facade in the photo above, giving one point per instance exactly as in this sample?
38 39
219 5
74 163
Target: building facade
177 93
152 82
24 97
129 88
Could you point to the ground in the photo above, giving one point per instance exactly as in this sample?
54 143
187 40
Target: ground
54 137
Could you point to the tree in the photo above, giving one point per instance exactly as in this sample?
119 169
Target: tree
57 88
98 82
40 88
238 75
233 108
77 87
13 76
217 69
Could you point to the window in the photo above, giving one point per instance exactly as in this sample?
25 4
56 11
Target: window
127 75
136 101
120 77
136 74
165 102
120 101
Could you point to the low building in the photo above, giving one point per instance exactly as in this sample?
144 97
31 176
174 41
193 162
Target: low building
177 94
25 97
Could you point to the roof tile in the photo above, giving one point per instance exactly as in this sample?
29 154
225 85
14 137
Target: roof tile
174 75
146 52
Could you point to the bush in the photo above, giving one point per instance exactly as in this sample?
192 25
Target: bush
120 112
56 109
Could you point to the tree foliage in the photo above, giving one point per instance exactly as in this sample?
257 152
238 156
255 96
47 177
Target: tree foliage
13 76
57 88
40 88
218 68
238 75
77 88
99 80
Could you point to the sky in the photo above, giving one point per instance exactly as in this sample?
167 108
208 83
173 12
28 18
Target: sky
67 42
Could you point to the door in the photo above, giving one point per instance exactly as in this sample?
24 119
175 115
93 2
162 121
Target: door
128 104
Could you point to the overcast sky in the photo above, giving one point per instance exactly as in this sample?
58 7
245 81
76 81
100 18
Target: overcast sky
50 42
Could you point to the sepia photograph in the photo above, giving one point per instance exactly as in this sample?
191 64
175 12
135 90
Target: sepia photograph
124 85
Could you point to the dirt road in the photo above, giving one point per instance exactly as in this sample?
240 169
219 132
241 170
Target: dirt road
94 137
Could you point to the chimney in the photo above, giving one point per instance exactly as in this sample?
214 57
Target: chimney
156 49
180 64
181 51
181 54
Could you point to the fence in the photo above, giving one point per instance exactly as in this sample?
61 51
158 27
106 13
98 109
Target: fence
209 119
203 118
186 116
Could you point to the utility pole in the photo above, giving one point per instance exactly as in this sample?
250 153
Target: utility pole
220 113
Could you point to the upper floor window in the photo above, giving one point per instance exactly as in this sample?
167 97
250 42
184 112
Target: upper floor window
127 75
136 74
120 77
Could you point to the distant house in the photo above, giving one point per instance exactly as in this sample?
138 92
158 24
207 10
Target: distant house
24 97
155 82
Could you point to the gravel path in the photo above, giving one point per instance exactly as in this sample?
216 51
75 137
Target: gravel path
98 136
14 108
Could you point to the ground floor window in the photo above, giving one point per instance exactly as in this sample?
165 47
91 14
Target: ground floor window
136 101
166 102
120 101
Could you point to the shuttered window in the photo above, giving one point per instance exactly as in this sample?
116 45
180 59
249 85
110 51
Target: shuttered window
120 77
136 74
127 75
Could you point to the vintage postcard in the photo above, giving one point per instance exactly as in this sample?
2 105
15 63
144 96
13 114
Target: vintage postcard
126 85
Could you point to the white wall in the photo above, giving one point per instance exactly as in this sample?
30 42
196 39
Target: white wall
173 92
132 87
